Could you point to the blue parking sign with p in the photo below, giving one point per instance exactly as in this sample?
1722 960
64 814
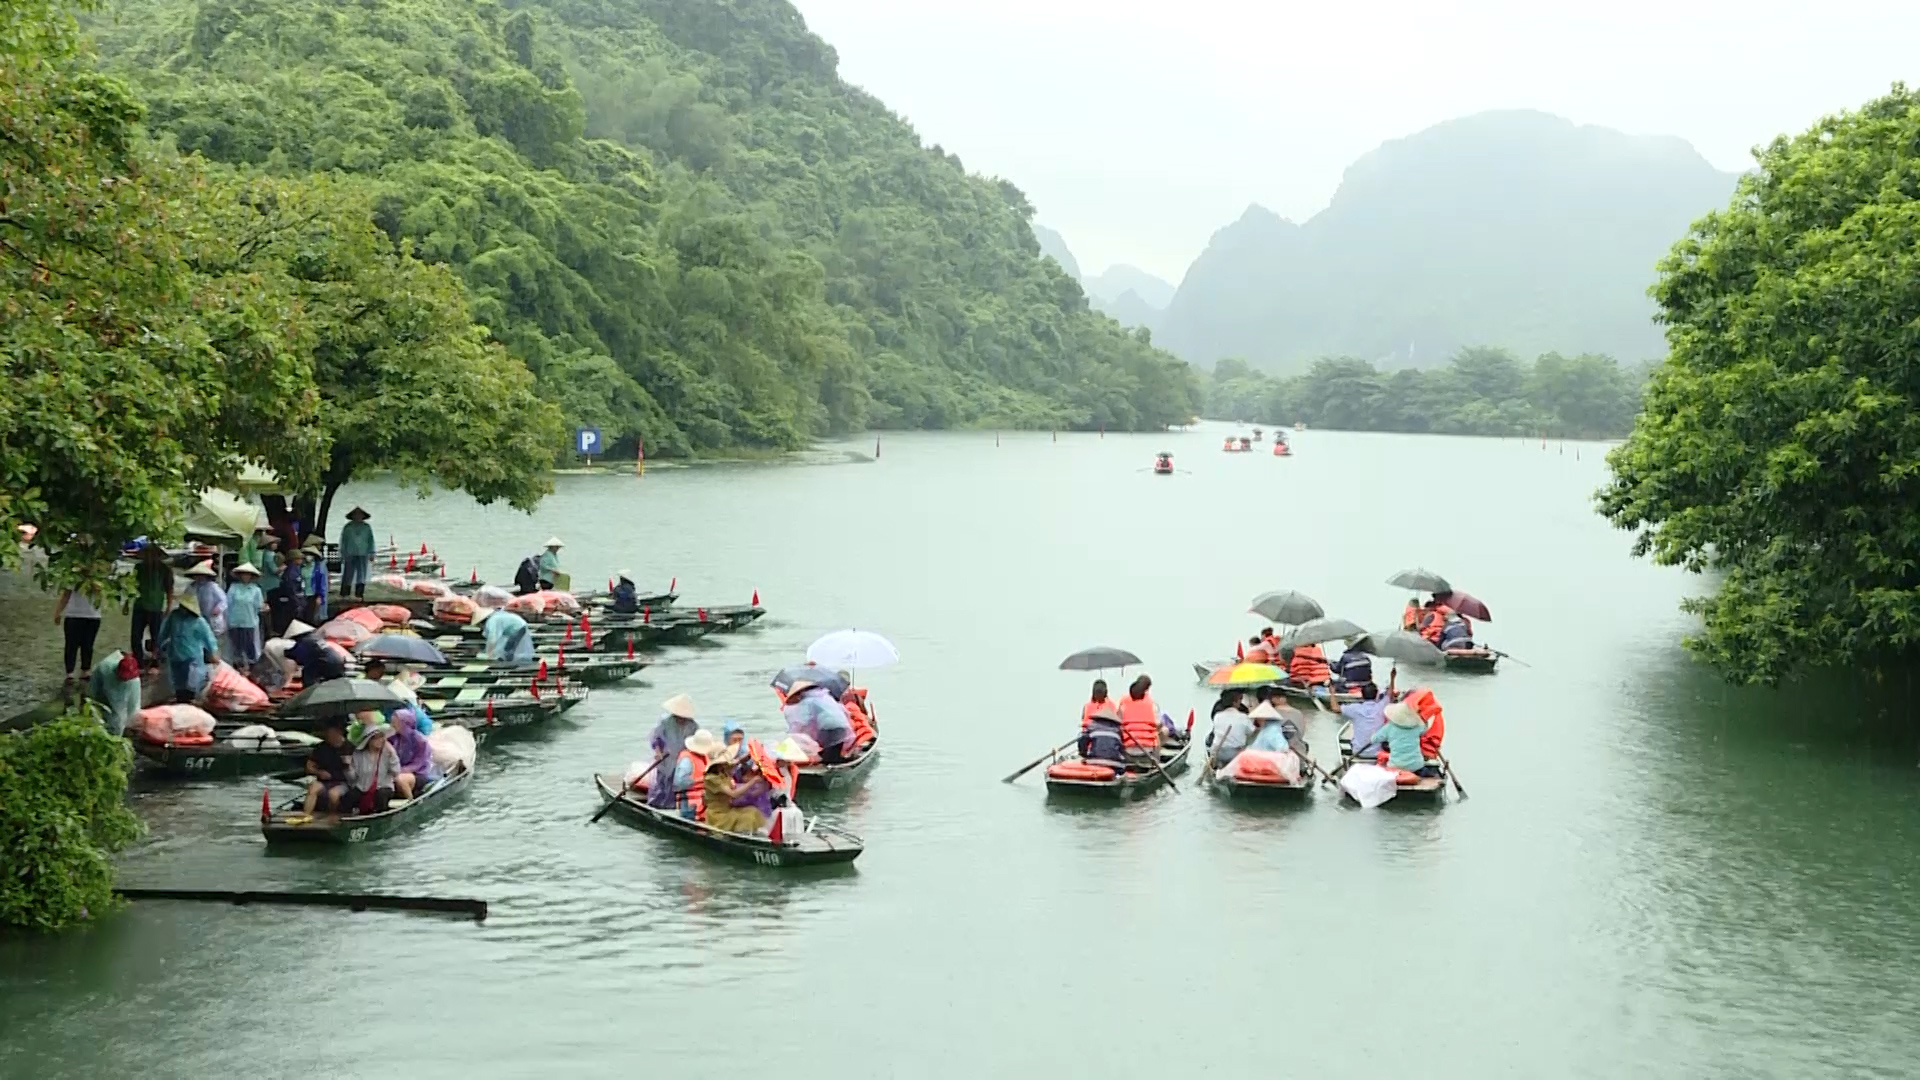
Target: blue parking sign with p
586 440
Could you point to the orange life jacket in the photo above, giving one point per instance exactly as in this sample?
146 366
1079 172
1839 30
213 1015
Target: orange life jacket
768 767
1410 618
1309 666
695 795
855 704
1091 707
1258 654
1272 642
1423 702
1140 722
1431 623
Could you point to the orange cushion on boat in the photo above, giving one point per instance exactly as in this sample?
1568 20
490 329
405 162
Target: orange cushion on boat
1079 770
1405 778
1260 768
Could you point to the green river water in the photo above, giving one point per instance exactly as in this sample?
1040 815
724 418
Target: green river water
1655 875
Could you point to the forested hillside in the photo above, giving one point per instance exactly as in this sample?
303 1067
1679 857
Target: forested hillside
674 212
1478 391
1513 227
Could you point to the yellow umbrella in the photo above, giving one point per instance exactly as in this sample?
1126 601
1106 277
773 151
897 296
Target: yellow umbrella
1242 675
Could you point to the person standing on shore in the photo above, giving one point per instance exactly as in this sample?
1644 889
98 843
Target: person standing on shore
245 601
189 647
153 581
78 616
203 581
356 554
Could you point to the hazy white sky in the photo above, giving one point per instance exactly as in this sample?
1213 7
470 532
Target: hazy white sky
1138 128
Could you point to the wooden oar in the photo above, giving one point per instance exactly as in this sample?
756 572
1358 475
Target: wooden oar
1449 767
1039 761
1509 656
1153 753
622 793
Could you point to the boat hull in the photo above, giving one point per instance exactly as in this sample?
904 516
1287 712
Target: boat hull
1126 786
821 846
1254 791
216 761
284 826
838 777
1473 663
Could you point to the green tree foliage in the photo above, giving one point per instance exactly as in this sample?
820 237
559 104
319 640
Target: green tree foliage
1480 391
673 213
118 400
1780 445
63 814
406 381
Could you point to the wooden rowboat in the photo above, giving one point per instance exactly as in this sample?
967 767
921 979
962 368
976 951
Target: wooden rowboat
821 845
821 777
1264 791
218 760
1130 784
288 825
1472 661
1426 791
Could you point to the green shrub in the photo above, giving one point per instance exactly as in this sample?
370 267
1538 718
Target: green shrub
63 814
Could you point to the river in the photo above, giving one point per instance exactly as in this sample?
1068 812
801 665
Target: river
1654 875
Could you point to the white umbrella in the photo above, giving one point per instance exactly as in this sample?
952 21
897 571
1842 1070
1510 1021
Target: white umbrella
852 649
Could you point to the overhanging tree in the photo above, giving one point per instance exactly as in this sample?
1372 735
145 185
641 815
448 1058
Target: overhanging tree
1780 443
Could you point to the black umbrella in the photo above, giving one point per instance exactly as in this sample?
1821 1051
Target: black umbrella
1398 645
1099 658
1286 607
1319 630
403 647
342 697
1420 579
826 678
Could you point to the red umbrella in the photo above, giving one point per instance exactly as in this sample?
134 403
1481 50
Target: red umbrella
1466 604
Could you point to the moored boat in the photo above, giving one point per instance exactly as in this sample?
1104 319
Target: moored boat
838 777
1070 776
218 760
1263 790
289 825
820 845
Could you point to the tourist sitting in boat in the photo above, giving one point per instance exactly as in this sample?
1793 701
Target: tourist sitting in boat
1271 640
318 663
690 774
114 684
1140 718
507 636
1095 703
1100 738
1427 707
326 768
1456 633
372 772
1257 651
813 712
626 596
187 644
669 738
1229 699
1401 738
1432 620
1232 730
745 749
1274 731
737 798
1307 666
1367 714
417 770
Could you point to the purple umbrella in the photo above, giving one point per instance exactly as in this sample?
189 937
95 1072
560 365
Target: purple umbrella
1466 604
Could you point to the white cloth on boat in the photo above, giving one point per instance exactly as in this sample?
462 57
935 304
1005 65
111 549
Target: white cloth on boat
1370 785
255 737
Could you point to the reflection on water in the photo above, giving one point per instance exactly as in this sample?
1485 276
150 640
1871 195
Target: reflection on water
1655 874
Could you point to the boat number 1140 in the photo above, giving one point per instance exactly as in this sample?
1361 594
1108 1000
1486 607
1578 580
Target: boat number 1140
767 858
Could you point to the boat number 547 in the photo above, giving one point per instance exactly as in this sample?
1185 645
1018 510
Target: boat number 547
767 858
357 835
